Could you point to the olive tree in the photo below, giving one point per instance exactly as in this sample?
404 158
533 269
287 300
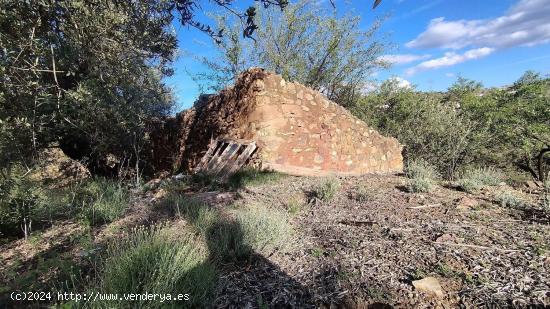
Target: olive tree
305 43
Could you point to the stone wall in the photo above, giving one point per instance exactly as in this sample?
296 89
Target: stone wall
298 130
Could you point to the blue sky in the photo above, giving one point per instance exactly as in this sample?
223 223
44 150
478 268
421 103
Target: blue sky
434 41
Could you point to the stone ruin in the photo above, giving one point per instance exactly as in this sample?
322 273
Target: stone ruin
297 130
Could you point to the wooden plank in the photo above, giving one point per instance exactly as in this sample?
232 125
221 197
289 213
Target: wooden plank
241 160
226 156
215 157
223 159
208 155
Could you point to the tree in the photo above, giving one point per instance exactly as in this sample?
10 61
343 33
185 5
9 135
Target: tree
303 43
431 131
82 76
523 120
187 10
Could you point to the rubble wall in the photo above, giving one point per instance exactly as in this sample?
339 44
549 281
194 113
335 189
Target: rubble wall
301 132
298 130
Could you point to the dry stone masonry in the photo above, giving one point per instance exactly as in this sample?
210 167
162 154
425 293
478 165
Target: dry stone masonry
298 130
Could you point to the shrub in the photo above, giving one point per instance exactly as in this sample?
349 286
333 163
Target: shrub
294 205
157 260
362 195
475 179
202 216
327 190
421 176
236 235
263 228
254 228
102 200
20 200
252 177
509 199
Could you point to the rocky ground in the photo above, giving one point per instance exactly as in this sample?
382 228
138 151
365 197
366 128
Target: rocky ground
368 250
374 245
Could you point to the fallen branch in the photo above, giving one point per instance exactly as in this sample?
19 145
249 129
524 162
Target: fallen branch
476 247
357 223
426 206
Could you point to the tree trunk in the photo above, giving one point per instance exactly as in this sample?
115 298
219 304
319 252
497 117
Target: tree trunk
542 173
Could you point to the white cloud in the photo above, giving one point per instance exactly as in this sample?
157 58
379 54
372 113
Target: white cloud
525 24
450 75
403 58
401 82
450 59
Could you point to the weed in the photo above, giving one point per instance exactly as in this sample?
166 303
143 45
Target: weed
362 195
421 176
473 180
317 252
445 270
264 228
197 212
327 190
234 236
509 199
418 274
347 275
376 293
545 198
205 180
294 205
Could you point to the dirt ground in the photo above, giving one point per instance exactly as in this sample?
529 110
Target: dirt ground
363 249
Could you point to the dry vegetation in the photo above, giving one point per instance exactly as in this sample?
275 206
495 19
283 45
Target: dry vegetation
281 240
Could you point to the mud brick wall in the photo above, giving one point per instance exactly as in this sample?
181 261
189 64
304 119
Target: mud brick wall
298 130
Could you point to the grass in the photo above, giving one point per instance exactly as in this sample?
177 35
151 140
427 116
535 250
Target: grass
157 260
249 177
201 216
421 176
235 235
327 190
317 252
103 200
473 180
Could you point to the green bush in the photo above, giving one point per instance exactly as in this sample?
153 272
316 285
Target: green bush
509 199
157 260
421 176
20 203
327 190
473 180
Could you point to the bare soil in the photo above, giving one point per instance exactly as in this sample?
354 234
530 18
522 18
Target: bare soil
364 251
